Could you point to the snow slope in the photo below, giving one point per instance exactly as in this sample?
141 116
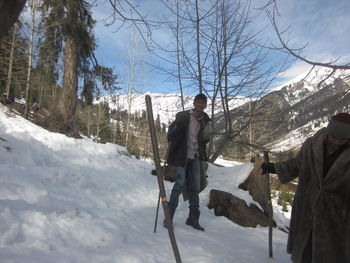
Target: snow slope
64 200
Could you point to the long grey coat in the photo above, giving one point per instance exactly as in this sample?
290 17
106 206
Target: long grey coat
321 204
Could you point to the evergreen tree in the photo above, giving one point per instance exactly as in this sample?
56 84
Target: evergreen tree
72 25
157 124
50 50
12 63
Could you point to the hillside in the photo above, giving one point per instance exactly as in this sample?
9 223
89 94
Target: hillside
290 113
74 200
310 105
295 109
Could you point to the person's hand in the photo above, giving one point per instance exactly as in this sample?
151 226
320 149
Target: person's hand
268 168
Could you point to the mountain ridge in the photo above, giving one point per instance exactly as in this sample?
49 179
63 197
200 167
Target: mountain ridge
303 104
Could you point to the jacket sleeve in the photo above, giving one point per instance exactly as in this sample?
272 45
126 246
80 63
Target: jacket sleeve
207 132
289 170
176 129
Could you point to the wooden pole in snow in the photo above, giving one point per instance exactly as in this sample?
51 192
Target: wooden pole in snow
269 204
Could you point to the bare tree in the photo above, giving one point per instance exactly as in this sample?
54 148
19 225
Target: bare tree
33 8
224 60
10 64
178 55
134 71
296 52
14 62
124 12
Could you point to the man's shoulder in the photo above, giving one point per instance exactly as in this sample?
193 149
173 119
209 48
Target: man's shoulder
205 117
317 138
185 113
321 133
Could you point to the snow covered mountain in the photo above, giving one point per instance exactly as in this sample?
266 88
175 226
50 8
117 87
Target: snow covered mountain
164 105
306 104
290 113
298 108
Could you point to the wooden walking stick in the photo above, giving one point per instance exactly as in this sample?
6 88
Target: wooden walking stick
163 173
269 203
160 180
157 212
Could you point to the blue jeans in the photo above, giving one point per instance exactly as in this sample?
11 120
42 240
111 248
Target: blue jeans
190 174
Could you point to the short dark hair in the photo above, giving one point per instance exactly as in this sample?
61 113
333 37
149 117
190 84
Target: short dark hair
200 96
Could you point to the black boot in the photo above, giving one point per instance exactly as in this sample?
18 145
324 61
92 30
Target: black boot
192 220
172 212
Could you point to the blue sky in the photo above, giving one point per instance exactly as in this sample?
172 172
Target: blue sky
321 24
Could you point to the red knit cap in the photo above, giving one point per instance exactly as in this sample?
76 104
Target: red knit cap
339 125
342 117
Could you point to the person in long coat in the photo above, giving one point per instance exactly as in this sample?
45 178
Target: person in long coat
320 221
188 136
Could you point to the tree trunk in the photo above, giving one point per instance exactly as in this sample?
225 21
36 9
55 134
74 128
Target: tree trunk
198 50
99 120
9 72
179 77
223 144
129 117
30 58
68 98
88 124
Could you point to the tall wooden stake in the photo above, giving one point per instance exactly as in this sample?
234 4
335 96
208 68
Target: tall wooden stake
269 204
160 179
163 174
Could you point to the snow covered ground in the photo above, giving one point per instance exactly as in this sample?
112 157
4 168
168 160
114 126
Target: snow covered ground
64 200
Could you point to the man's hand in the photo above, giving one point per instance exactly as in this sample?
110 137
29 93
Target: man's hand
268 168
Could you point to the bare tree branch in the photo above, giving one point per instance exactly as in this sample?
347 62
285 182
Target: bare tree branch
293 51
329 75
141 23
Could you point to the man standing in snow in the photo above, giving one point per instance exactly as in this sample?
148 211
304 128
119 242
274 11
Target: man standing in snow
320 222
188 137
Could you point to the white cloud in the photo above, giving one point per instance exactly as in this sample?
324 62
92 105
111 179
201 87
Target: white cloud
322 27
295 70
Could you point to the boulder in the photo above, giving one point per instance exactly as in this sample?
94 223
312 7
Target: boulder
235 209
256 184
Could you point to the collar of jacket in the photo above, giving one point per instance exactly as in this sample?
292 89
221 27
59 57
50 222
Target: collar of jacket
202 116
318 150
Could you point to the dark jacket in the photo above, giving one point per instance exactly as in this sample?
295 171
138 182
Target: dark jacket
177 136
321 207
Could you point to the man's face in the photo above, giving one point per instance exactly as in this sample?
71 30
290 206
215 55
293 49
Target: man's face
336 141
199 105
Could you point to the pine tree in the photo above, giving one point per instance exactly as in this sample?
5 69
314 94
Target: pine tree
12 61
72 25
